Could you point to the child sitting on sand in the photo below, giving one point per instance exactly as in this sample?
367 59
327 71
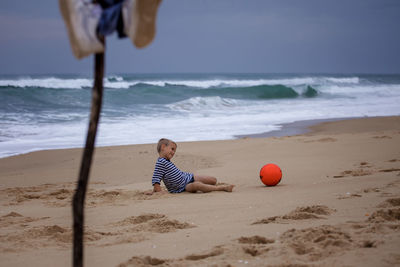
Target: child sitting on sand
177 181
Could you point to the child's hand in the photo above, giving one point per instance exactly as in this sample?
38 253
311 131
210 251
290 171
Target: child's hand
152 192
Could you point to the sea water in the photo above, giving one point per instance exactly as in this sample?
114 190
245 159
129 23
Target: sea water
52 111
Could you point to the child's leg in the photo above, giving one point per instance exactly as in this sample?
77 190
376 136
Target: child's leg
205 188
205 179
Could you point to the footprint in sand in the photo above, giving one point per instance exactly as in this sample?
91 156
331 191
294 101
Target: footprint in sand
149 261
255 240
390 170
255 245
45 193
382 137
322 140
382 190
143 261
316 243
215 252
152 222
44 236
363 168
301 213
22 233
15 220
35 237
61 195
132 229
359 172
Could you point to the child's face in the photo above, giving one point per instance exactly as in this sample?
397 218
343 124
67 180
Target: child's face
168 151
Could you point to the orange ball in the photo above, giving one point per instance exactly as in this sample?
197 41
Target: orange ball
270 174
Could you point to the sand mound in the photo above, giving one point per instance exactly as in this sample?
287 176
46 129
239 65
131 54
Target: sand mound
316 209
62 194
391 202
385 215
300 213
255 240
256 245
134 229
195 257
151 261
152 222
12 214
35 237
54 233
142 261
165 226
26 237
139 219
15 219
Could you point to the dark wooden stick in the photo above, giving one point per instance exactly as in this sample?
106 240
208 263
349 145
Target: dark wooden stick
80 192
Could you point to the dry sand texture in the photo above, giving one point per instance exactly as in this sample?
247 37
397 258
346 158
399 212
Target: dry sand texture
338 203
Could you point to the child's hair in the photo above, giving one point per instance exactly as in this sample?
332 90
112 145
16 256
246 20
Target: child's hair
164 141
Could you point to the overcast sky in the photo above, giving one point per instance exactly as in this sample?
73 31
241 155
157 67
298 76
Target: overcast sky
253 36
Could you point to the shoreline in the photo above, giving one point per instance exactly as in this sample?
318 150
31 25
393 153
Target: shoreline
293 128
305 127
287 129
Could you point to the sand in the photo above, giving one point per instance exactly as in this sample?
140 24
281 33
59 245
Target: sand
338 203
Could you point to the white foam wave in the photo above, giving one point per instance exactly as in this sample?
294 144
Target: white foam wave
202 103
116 78
230 83
64 83
297 81
350 80
372 91
48 83
118 82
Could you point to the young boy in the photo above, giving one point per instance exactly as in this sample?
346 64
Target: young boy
177 181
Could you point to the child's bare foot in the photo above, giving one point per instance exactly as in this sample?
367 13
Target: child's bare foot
229 188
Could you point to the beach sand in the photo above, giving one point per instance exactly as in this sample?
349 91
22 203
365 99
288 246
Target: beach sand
338 203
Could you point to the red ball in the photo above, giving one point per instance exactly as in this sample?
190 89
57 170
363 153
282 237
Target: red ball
270 174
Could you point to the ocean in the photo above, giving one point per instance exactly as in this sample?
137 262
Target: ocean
40 112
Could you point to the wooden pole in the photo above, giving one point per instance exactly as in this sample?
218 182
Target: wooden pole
80 192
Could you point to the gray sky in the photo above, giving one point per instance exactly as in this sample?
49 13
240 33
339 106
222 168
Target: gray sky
256 36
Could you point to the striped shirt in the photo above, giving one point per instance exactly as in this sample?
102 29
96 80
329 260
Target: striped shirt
174 179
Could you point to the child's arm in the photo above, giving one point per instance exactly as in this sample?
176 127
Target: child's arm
156 189
157 177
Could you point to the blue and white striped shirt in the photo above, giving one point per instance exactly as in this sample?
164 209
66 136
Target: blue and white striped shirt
174 179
